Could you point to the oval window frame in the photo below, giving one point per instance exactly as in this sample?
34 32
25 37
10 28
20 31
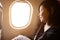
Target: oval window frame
31 12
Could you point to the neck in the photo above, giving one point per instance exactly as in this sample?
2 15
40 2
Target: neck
46 27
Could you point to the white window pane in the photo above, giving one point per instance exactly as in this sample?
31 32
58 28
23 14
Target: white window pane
20 14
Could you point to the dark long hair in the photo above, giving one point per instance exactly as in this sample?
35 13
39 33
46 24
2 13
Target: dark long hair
54 16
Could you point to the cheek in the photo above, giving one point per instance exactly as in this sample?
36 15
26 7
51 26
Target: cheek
45 16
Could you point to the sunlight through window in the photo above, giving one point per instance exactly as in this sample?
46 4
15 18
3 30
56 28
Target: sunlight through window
20 15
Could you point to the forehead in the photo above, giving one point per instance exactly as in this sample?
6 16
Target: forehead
42 7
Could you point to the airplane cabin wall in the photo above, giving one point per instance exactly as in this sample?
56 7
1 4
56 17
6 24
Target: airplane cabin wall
8 33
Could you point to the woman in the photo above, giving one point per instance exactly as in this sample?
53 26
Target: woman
50 16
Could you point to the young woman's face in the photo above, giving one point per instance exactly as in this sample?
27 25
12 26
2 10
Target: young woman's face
43 14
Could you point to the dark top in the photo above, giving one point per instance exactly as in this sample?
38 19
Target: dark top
52 33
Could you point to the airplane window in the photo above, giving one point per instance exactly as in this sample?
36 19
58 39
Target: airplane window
20 14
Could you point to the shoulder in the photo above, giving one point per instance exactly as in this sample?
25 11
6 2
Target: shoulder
53 30
53 33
